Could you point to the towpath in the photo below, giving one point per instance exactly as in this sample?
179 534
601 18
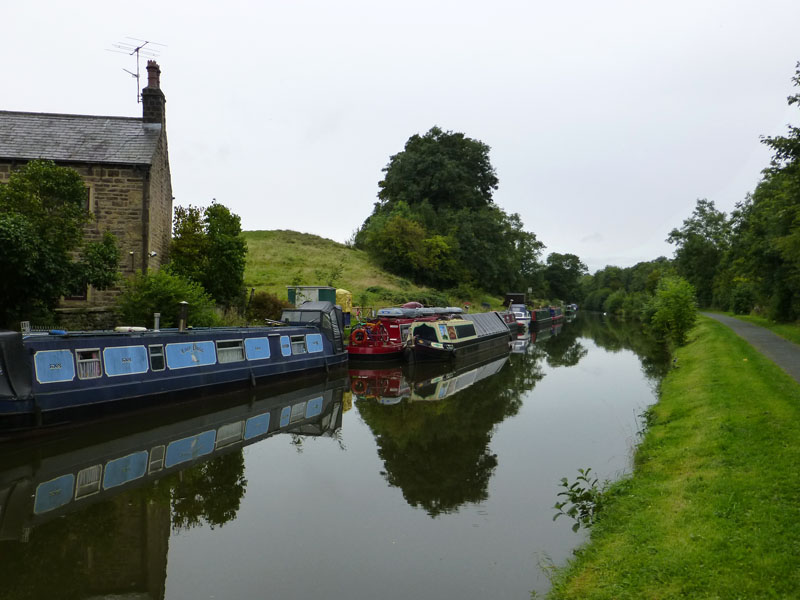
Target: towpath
782 352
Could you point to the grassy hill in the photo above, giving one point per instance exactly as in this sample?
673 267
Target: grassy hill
278 258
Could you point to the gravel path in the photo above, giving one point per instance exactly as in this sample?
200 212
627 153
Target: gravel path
782 352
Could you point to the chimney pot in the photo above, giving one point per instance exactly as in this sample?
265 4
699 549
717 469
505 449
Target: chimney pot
153 75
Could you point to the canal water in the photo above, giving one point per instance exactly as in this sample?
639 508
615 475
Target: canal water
400 482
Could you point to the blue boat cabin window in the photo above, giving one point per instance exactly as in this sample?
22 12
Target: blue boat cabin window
298 344
89 363
156 357
286 346
230 351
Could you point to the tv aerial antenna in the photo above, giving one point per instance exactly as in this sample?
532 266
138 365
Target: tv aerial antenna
135 46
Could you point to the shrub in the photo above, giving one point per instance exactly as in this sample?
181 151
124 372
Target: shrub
743 298
265 306
674 310
162 292
614 302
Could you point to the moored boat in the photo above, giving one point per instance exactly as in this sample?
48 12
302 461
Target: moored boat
384 337
447 339
541 317
58 376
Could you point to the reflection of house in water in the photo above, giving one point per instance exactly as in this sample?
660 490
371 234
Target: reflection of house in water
113 537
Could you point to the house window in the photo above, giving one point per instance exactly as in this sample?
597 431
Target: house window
89 363
79 295
230 351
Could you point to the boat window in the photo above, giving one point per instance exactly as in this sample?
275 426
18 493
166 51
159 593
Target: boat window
157 357
298 412
298 344
88 481
89 363
426 332
156 459
466 330
230 351
230 433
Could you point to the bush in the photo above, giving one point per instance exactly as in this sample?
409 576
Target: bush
265 306
162 292
674 310
614 302
743 298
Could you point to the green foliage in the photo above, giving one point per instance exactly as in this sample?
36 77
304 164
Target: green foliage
701 244
265 306
446 169
614 303
563 274
743 298
674 310
436 223
42 251
584 499
208 247
163 291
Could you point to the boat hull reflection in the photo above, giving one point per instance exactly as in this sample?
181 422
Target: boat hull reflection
43 478
422 381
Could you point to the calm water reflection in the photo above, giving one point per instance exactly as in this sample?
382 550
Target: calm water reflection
401 482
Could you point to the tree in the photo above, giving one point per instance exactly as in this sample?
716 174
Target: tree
436 223
701 243
208 247
43 255
563 275
446 169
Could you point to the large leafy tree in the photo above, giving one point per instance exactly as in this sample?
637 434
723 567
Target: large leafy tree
43 254
563 275
208 248
435 221
443 168
701 244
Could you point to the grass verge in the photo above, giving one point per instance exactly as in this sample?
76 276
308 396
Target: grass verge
712 508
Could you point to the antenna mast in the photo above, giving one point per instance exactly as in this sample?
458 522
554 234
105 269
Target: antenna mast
137 47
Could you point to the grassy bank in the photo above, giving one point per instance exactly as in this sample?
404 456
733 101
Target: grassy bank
713 507
278 258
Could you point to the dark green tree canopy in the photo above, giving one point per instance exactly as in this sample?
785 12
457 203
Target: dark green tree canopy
436 223
43 255
208 247
563 275
701 243
443 168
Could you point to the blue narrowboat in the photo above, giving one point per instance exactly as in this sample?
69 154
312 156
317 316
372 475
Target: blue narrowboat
50 378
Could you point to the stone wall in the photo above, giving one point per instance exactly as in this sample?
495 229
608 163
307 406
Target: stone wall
135 204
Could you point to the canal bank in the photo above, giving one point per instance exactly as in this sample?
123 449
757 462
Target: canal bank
711 510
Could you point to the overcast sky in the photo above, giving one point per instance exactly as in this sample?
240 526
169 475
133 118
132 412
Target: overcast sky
606 120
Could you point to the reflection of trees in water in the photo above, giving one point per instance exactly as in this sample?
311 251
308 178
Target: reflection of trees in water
437 453
210 492
118 546
564 349
614 335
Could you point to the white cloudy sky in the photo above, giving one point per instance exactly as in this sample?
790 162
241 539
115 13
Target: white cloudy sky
606 120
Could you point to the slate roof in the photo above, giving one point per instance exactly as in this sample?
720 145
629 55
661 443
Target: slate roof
77 138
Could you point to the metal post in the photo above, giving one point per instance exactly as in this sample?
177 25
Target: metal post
183 315
156 321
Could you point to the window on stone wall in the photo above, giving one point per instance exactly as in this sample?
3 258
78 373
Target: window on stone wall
82 295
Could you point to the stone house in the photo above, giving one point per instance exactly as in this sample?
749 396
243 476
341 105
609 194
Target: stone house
125 164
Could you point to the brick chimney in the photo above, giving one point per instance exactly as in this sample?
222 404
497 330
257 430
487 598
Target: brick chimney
153 101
